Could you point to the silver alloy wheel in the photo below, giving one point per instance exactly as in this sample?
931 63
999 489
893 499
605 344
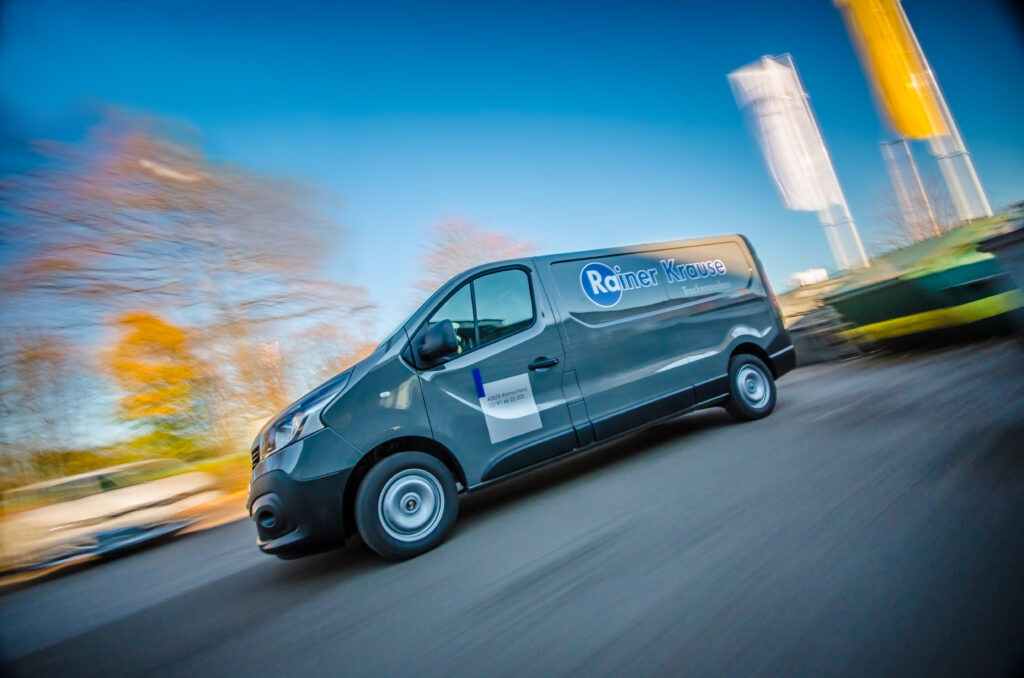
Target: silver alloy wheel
411 504
753 386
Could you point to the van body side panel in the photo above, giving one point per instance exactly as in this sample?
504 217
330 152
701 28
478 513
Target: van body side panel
714 313
739 318
716 326
387 392
620 341
657 339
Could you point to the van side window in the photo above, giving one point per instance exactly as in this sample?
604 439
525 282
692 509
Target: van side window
504 304
459 309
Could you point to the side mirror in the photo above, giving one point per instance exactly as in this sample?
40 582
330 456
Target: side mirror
436 341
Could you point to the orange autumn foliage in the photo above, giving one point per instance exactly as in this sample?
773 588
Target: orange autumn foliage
154 366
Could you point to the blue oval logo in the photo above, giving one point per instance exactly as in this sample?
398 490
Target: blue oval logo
600 284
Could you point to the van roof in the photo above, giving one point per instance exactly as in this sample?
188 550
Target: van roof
644 247
414 318
604 252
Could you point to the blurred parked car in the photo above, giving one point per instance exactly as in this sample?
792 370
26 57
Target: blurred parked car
98 512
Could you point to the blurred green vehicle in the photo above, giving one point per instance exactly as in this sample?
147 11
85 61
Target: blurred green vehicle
941 290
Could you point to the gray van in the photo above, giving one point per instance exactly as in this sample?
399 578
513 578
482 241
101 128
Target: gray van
509 366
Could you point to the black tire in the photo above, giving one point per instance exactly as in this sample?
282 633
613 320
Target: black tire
406 505
751 388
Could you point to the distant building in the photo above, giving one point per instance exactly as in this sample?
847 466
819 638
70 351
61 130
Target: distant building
808 277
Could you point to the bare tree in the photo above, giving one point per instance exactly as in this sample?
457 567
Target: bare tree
136 217
330 349
941 201
893 232
44 393
138 212
1016 207
454 245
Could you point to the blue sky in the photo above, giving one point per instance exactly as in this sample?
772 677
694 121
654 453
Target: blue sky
571 125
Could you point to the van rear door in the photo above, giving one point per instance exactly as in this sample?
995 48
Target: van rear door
712 313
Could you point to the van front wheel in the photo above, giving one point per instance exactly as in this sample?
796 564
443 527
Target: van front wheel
751 388
406 505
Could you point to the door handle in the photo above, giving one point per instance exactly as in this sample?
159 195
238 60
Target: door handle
542 363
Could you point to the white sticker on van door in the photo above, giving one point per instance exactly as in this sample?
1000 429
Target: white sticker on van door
508 406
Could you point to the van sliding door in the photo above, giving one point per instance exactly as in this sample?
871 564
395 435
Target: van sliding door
622 339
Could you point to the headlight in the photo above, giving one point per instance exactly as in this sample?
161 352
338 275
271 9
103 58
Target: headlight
303 418
298 425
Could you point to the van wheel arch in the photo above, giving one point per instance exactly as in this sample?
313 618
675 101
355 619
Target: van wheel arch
758 352
387 449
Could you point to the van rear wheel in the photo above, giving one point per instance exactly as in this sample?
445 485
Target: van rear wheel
406 505
751 388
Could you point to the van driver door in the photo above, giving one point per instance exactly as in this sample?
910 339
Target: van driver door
497 403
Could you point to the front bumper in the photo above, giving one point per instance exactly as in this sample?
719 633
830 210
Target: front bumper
295 516
296 496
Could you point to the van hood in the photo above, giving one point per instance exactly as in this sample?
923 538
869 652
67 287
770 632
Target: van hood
338 383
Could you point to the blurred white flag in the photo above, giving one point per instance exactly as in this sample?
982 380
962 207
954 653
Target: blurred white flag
787 133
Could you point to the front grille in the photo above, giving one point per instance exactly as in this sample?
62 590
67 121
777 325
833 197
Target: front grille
255 456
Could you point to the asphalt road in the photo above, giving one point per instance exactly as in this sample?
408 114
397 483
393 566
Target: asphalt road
874 525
